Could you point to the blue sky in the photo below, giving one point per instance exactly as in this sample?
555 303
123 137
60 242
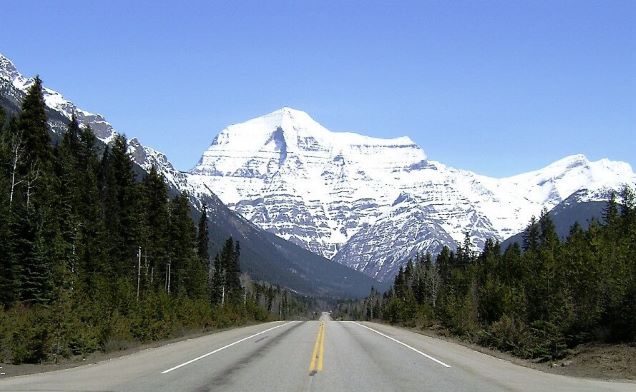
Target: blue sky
497 87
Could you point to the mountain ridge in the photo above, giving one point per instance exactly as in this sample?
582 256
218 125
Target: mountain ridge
263 257
320 190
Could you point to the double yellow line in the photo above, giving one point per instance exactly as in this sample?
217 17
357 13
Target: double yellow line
317 355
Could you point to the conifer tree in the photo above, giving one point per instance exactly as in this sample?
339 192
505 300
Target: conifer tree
92 229
32 123
230 260
156 230
548 236
531 236
120 208
610 213
33 223
190 274
203 238
8 286
217 296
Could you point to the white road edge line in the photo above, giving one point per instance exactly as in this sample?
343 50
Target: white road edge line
224 347
404 344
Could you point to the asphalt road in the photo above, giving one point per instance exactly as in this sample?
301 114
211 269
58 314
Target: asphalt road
320 355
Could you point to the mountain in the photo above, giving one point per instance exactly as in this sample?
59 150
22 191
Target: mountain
263 255
13 87
372 203
582 207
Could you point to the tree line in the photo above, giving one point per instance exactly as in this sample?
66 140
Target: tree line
537 300
94 258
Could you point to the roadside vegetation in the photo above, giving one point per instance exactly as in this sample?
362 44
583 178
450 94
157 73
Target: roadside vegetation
94 258
537 301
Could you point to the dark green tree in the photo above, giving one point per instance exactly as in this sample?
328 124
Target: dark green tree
32 124
203 239
120 201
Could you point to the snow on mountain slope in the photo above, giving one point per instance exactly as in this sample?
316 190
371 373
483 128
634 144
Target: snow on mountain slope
15 85
521 196
293 177
371 203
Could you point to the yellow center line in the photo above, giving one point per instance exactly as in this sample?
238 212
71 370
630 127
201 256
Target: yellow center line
317 355
321 356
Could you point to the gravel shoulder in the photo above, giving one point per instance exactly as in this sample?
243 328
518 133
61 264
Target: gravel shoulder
595 360
610 362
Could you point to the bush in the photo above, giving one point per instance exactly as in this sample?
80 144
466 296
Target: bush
506 334
29 338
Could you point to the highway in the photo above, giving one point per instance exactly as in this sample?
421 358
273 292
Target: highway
321 355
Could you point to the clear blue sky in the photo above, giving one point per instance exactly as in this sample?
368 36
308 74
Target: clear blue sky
497 87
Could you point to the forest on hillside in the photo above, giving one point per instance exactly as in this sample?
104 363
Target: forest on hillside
93 258
535 301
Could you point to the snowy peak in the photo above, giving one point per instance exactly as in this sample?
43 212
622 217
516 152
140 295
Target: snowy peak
263 145
8 71
568 175
301 181
17 86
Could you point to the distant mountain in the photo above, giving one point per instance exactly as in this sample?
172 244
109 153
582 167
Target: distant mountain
581 207
372 203
264 256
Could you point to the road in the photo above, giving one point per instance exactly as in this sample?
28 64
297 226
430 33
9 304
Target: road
322 355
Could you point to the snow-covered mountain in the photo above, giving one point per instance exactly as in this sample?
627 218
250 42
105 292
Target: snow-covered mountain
371 203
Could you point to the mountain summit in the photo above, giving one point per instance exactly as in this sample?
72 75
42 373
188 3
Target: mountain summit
286 138
372 203
295 178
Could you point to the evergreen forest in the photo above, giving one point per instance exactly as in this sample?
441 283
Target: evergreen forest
535 301
96 258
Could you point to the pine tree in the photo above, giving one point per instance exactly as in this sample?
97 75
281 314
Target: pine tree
190 274
30 246
120 209
610 213
531 236
156 230
232 252
548 235
68 191
33 224
217 296
203 239
8 285
32 123
92 228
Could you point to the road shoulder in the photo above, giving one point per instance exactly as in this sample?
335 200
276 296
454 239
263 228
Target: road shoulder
9 370
603 362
